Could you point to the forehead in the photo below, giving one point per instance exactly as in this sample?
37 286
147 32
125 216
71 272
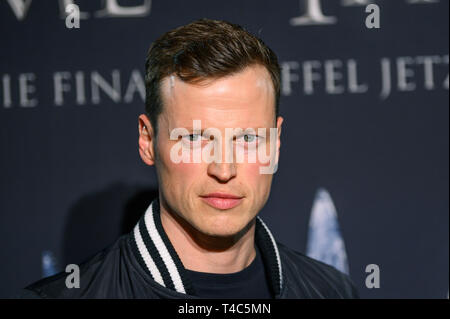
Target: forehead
244 99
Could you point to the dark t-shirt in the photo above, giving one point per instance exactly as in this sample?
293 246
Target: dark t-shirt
251 282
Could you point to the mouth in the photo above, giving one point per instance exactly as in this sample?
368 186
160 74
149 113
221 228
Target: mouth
222 201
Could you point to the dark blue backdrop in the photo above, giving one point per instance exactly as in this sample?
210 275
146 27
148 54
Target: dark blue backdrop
377 141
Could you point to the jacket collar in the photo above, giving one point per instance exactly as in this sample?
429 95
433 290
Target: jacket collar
157 256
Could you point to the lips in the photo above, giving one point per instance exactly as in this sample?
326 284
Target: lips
222 201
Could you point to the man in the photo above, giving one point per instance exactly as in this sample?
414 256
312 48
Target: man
212 116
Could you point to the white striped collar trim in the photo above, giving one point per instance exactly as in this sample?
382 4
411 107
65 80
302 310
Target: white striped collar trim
157 256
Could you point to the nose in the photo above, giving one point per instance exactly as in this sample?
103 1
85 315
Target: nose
223 167
223 172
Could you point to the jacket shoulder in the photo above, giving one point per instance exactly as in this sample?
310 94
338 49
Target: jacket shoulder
91 272
312 278
27 294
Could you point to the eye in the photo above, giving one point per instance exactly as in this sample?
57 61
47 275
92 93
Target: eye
192 137
248 138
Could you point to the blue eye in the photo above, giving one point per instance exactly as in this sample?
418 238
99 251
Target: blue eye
192 137
248 138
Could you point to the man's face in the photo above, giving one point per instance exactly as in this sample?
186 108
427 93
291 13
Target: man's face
244 100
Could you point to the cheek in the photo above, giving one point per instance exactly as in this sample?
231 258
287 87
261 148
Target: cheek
186 174
176 175
257 182
183 174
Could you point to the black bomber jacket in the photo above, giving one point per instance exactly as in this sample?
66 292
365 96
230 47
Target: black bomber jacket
143 264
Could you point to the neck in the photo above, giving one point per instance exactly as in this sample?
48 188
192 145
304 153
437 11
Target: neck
205 253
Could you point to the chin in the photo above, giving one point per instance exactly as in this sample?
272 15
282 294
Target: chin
223 227
221 232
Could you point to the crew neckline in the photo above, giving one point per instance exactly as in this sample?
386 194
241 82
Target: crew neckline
157 256
252 270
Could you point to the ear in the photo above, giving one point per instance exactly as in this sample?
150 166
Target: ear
146 140
279 124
